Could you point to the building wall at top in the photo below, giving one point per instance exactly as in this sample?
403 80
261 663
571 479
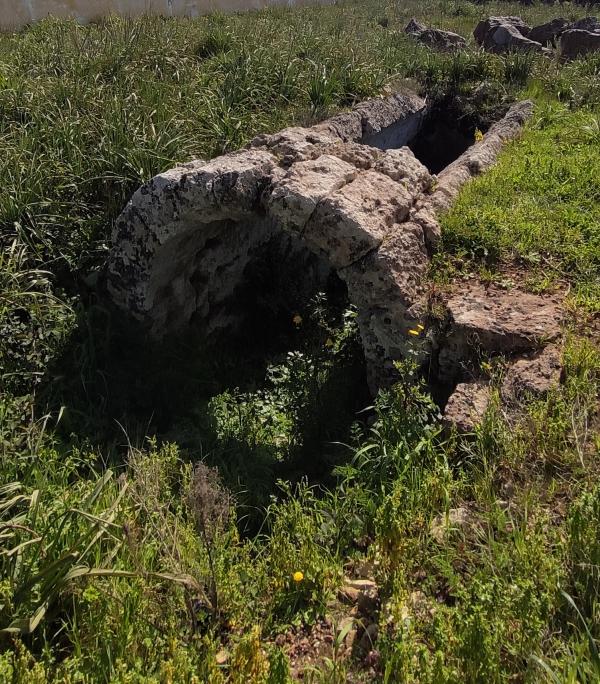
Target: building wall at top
17 13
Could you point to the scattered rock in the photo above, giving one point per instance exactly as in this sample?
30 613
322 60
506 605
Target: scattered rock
456 519
363 593
485 26
222 656
578 42
502 34
535 375
548 33
466 406
445 41
494 321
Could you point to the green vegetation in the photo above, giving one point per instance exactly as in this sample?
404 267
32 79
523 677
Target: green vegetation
539 207
155 502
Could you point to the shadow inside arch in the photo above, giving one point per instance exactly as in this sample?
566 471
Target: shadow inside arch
266 402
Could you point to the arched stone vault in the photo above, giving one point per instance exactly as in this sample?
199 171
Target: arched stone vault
183 242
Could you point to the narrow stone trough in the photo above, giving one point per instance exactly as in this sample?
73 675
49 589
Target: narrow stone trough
346 199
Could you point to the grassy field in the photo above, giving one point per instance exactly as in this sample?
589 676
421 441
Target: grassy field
155 504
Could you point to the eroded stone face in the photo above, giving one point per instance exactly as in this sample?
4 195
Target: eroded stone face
467 406
355 219
486 322
295 197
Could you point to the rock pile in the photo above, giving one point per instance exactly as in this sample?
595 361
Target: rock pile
522 328
505 34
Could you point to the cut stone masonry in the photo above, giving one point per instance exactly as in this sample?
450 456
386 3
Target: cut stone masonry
346 196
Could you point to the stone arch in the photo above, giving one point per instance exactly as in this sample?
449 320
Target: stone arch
184 240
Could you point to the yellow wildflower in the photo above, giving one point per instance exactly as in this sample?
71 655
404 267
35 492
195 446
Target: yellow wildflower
478 135
297 320
421 327
416 333
298 576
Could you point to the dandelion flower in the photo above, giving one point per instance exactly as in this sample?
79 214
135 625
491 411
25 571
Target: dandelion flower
298 576
297 320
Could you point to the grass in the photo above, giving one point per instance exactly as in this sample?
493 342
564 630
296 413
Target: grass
155 502
539 207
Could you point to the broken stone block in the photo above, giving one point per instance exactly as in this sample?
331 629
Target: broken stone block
535 375
466 407
438 39
493 321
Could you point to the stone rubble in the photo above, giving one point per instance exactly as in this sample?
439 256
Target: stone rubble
505 34
488 322
446 41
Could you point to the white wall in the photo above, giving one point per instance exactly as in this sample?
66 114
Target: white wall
15 13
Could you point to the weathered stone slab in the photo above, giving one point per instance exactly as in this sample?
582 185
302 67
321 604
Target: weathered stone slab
467 406
492 322
534 375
